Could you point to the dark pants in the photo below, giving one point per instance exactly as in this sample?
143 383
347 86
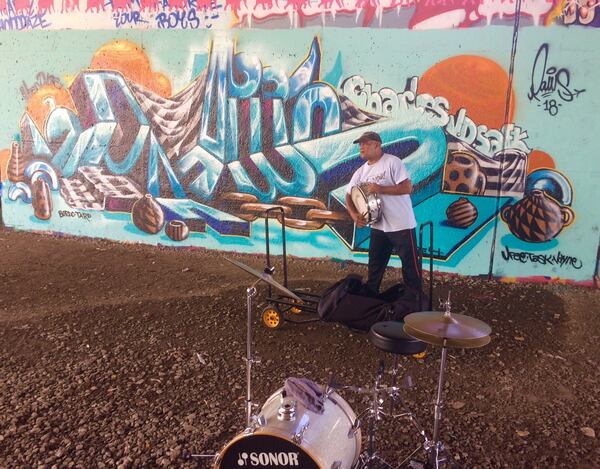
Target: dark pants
380 249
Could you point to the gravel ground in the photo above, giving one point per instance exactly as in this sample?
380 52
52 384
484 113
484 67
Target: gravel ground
117 355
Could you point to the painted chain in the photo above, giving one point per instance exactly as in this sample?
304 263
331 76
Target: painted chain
300 212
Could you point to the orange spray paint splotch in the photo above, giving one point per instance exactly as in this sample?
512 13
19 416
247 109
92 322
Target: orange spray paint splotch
131 60
539 159
44 100
4 156
475 83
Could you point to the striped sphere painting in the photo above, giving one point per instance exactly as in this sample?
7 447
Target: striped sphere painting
461 213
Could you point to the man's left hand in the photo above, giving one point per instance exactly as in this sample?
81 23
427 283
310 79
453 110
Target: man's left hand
373 188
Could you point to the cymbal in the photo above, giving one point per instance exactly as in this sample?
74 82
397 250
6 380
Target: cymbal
265 277
445 325
433 340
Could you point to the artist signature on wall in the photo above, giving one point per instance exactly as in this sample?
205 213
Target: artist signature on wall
550 86
558 259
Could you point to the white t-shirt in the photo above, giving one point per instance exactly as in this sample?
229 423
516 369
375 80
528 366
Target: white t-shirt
396 210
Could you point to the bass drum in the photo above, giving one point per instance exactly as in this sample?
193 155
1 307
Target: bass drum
290 435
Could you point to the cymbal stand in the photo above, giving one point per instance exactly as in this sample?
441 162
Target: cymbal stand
435 447
250 293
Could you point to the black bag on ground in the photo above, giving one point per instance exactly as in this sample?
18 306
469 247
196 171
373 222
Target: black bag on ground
349 302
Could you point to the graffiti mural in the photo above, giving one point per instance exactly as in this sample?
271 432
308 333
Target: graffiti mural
113 150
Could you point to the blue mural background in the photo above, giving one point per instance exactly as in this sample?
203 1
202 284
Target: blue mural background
562 244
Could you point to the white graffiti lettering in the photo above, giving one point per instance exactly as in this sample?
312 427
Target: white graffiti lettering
388 102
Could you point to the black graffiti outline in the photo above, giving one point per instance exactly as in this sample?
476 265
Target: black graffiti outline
546 81
558 259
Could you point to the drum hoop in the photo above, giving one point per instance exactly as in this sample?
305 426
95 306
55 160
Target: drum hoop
362 192
357 192
350 415
258 431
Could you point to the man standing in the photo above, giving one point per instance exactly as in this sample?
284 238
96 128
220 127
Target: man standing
386 175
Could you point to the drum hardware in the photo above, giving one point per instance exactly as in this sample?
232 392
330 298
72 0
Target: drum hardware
287 410
258 421
448 330
354 428
367 204
375 413
250 293
299 436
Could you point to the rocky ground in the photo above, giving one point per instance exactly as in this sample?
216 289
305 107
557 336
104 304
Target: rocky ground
117 355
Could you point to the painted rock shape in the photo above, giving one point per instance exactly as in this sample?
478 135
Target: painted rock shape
16 164
461 213
177 230
537 218
463 174
41 200
148 215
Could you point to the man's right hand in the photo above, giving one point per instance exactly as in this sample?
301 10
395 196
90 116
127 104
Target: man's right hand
359 219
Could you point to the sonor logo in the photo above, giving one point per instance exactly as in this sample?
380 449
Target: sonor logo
272 459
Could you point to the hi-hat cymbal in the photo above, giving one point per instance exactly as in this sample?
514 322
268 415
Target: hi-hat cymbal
457 343
267 278
449 326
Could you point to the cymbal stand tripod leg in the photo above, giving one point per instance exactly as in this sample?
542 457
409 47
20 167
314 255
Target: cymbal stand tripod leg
250 293
420 430
394 381
435 448
374 416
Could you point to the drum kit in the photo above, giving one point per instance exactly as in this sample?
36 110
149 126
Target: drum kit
308 426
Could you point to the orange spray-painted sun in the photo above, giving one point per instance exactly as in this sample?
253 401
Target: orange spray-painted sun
539 159
131 60
475 83
44 100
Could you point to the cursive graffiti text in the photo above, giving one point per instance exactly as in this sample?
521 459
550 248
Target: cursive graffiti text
550 85
558 259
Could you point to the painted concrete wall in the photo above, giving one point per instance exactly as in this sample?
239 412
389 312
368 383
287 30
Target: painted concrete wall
151 128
